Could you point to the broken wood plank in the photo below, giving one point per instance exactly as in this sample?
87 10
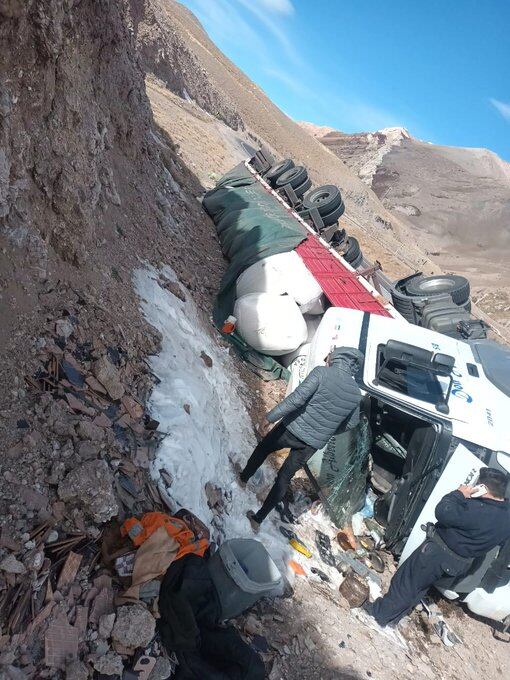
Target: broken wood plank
69 570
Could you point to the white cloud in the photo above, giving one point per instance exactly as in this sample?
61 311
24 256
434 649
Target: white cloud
278 6
502 108
296 85
274 27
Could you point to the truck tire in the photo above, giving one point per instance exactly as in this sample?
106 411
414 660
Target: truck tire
330 218
357 261
303 188
353 251
429 286
404 306
325 198
274 172
296 176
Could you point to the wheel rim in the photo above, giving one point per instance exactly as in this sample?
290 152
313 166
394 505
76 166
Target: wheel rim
321 197
437 286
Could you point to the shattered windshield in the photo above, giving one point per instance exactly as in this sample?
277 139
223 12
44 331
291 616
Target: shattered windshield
341 470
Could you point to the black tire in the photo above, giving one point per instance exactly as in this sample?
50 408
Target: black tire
353 250
430 286
295 177
325 198
357 262
333 216
468 306
276 170
303 188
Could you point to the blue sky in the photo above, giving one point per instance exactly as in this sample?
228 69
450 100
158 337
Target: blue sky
439 68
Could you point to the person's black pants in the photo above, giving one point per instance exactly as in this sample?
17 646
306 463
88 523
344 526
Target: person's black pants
424 567
278 438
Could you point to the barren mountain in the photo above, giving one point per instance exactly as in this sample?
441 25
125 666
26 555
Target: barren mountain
457 201
115 115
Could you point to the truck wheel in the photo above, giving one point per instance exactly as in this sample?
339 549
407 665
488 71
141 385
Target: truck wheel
276 170
295 177
332 217
303 188
352 251
357 261
429 286
326 199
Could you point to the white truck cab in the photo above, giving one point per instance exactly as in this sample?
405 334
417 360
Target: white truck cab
435 411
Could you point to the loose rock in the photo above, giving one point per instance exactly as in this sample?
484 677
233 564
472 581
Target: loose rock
105 626
91 486
162 669
12 566
108 376
134 626
109 664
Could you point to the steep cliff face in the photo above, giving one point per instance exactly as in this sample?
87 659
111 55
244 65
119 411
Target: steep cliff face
164 54
87 188
74 123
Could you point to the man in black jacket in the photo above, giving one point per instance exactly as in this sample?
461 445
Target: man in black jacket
466 528
325 403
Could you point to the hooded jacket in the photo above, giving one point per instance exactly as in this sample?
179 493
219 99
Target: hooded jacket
326 402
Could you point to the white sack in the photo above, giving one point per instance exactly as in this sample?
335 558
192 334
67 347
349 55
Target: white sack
302 350
298 369
271 324
280 274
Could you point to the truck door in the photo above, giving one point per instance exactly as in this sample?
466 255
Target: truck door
462 468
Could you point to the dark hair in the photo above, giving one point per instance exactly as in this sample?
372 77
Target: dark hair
495 480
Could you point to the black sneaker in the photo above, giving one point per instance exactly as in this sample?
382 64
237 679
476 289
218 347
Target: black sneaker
238 470
254 524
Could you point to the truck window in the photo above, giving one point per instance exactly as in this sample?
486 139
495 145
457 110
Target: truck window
412 381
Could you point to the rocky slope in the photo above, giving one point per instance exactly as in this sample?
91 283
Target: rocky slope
456 200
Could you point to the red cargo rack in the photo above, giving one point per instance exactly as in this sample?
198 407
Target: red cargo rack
341 286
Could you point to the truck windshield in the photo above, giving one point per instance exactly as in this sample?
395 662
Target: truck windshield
413 381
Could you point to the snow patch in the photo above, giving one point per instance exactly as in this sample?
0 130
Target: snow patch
201 445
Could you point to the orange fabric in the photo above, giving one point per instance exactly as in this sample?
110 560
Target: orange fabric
139 531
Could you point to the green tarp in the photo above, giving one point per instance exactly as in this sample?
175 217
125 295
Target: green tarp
251 224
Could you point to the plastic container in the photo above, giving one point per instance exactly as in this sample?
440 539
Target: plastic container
242 572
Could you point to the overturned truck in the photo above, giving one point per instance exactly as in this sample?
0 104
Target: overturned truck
435 403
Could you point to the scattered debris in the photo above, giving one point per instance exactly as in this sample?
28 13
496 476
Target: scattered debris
60 643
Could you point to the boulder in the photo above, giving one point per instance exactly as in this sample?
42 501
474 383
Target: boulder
134 626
